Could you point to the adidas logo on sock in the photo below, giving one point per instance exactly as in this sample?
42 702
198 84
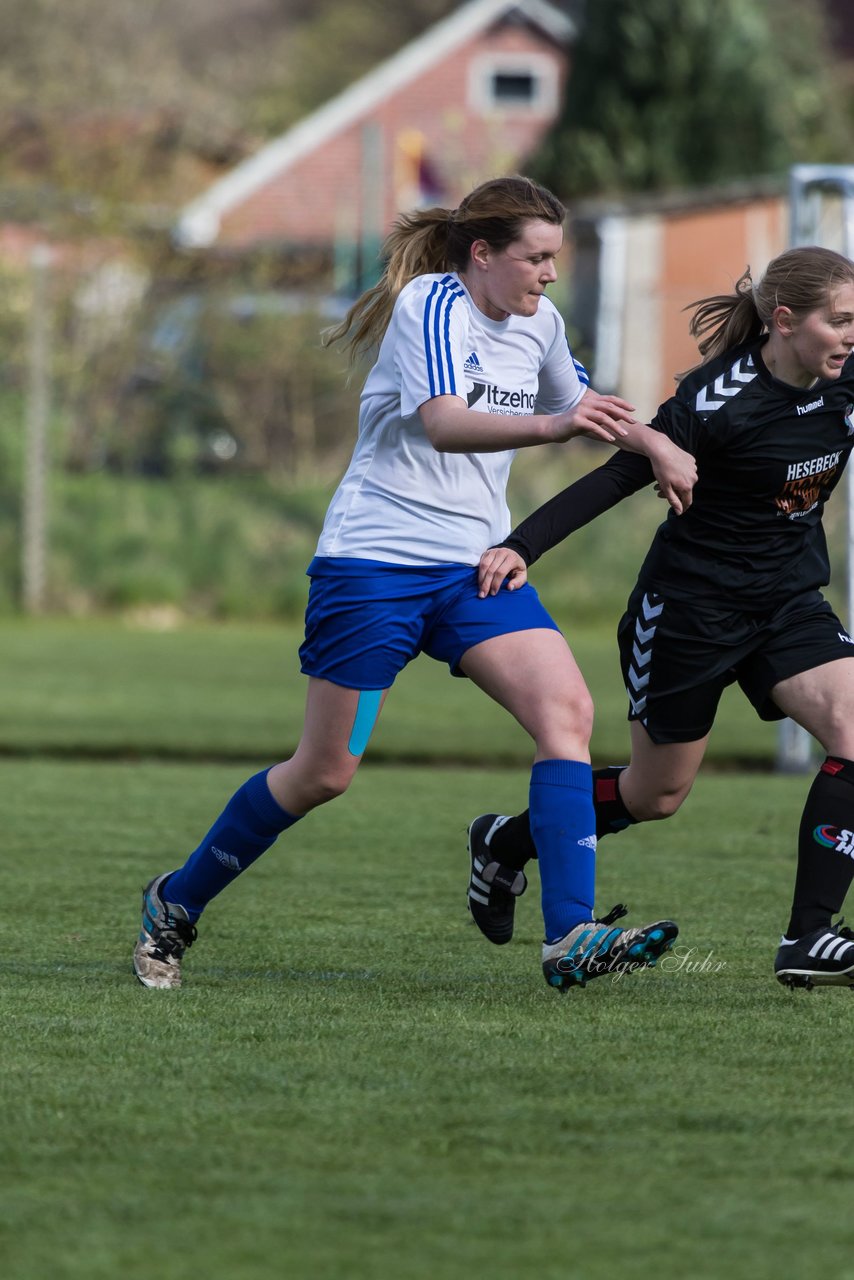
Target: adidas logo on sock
227 859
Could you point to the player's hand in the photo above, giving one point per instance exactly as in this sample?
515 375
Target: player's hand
676 474
496 565
596 417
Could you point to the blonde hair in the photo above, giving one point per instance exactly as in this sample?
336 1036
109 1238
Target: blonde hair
801 279
431 240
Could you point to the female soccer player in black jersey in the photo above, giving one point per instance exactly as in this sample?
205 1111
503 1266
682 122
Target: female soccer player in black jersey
730 589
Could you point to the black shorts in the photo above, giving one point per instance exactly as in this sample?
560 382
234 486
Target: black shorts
678 657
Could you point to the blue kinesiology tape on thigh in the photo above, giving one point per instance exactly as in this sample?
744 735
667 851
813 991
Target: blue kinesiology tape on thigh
367 710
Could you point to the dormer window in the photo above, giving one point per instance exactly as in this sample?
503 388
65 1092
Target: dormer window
514 87
517 82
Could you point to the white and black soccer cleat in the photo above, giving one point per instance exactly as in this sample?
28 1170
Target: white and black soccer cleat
823 958
493 888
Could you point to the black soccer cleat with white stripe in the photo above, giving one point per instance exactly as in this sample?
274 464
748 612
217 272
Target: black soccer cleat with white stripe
493 888
823 958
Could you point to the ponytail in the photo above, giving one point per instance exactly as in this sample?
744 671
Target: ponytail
437 240
726 319
417 245
801 279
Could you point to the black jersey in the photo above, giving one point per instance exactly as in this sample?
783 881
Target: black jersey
768 457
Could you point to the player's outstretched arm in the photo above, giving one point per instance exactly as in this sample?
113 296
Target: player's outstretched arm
576 506
452 427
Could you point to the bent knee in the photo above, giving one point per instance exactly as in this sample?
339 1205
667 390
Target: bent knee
565 728
662 804
576 712
662 807
324 786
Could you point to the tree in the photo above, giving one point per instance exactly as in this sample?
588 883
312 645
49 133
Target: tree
675 93
144 102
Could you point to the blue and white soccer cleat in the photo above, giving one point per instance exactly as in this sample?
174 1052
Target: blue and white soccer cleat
594 948
164 937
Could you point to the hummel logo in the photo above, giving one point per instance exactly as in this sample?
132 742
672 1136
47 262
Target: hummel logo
472 364
227 859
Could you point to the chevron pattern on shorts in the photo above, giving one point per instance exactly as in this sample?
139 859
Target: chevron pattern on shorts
715 394
645 625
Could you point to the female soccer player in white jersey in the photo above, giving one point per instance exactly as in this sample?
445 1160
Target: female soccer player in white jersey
473 364
731 590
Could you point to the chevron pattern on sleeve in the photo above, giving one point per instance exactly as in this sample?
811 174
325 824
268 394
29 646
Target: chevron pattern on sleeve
715 394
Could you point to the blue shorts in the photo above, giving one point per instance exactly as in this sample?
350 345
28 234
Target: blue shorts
365 619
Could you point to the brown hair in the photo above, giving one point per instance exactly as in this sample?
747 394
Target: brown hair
429 240
801 279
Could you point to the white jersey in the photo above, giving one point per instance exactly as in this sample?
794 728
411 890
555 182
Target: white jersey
400 500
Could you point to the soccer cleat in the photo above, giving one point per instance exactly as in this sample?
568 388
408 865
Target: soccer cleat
594 948
493 888
823 958
165 935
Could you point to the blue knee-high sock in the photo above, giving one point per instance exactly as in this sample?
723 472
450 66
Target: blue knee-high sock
247 826
563 824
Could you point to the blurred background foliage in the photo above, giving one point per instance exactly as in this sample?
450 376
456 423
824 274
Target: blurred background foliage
197 424
701 93
137 101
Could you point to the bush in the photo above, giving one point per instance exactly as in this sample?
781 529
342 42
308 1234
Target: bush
217 381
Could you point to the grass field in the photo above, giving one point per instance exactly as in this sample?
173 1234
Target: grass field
102 688
352 1083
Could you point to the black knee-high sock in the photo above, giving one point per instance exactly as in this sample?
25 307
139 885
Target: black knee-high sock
825 848
513 844
611 814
